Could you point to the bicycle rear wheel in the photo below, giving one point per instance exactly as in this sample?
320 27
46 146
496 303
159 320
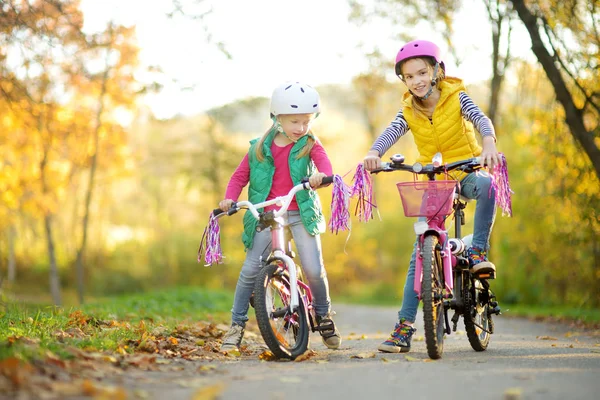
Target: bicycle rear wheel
432 290
478 320
284 331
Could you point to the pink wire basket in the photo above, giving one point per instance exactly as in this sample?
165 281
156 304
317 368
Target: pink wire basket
427 198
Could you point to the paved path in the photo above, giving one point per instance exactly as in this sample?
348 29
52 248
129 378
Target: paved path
525 360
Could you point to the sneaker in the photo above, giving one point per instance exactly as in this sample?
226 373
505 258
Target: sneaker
329 333
399 341
479 262
233 338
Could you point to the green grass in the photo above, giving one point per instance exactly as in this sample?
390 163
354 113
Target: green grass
386 294
28 331
587 316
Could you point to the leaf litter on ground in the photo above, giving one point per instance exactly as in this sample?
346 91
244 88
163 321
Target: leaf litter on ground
79 352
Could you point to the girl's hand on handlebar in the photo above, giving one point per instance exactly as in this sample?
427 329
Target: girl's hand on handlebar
489 154
316 179
225 205
372 160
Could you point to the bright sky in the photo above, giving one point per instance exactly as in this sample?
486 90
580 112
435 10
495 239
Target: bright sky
270 41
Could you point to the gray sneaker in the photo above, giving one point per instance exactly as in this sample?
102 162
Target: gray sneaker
329 333
233 338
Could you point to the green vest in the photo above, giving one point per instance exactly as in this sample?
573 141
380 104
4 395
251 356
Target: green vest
261 180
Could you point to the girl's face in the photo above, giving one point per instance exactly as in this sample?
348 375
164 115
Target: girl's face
296 125
417 75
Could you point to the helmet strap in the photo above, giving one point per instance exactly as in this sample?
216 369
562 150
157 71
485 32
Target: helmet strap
280 130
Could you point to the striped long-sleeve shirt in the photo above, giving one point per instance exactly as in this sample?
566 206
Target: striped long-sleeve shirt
398 127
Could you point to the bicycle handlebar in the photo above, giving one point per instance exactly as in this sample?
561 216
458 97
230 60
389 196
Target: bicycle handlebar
283 201
469 165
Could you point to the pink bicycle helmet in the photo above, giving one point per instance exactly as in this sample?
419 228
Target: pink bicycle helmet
417 48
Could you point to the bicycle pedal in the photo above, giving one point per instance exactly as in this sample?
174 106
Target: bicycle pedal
495 310
485 275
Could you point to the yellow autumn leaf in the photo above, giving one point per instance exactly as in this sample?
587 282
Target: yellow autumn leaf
211 392
512 394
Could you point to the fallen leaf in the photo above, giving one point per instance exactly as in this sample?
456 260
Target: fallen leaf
267 356
363 355
140 394
233 353
321 361
409 358
387 360
307 355
512 394
207 368
546 338
15 370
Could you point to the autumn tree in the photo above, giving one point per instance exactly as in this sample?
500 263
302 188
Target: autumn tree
566 41
108 91
38 37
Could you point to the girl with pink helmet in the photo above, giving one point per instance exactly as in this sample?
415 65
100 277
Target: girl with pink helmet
441 116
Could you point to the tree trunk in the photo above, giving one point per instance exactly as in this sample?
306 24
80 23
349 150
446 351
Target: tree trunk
54 277
12 263
53 270
79 265
498 15
574 116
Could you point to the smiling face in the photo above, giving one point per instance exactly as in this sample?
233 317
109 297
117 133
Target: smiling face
296 125
417 74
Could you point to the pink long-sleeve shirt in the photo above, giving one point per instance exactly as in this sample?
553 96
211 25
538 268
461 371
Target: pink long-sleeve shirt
282 180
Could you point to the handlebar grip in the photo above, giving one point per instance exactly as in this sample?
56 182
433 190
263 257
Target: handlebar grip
217 211
327 180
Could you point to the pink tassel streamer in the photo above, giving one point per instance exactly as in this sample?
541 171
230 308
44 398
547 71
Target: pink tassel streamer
340 206
499 177
362 187
211 238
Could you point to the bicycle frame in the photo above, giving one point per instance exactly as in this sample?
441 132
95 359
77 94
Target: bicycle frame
275 221
436 224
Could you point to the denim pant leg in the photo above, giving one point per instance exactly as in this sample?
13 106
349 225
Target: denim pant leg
250 269
477 186
311 257
410 301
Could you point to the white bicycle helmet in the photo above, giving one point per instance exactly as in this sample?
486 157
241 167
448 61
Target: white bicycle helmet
295 98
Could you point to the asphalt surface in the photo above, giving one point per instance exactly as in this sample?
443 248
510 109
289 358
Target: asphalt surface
525 360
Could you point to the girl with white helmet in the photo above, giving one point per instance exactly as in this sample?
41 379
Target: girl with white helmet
275 163
436 109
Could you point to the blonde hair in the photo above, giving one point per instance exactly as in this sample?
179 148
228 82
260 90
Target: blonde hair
273 130
418 106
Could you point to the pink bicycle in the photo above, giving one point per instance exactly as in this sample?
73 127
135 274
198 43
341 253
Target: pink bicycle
282 301
442 277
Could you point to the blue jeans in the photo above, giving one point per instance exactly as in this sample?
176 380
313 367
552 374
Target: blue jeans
310 252
473 186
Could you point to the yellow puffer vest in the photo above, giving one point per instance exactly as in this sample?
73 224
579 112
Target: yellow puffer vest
447 132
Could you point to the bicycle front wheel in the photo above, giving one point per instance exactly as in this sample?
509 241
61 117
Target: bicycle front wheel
432 293
284 331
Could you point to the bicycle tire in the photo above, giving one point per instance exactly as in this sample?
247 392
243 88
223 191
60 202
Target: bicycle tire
477 319
286 335
432 289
